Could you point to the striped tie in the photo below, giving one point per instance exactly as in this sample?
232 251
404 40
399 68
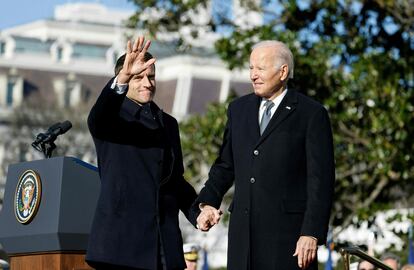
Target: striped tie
266 115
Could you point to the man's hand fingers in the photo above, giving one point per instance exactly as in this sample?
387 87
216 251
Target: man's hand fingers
306 251
146 46
205 227
203 221
312 255
309 257
149 63
135 46
296 251
213 214
129 47
141 43
306 257
209 215
300 258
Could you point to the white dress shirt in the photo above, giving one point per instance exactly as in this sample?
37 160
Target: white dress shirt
276 101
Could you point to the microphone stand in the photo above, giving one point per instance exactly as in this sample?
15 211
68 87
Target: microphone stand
47 148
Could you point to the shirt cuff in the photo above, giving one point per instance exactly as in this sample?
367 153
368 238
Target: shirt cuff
201 206
120 88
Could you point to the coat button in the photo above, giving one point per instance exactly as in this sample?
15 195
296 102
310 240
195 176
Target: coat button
252 180
246 210
256 152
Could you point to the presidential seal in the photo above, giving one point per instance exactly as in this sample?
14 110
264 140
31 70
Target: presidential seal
27 196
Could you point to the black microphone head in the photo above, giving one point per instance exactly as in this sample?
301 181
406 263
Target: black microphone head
54 126
65 126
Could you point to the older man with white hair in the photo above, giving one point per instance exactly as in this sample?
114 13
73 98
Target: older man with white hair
277 150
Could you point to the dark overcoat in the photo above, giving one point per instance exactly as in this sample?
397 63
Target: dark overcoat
142 185
283 181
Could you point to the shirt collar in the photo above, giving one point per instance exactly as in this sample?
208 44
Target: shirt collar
277 100
130 106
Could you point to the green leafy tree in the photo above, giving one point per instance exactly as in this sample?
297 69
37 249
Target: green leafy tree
356 57
207 131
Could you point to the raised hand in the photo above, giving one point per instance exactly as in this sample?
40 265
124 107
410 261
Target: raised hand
208 217
135 62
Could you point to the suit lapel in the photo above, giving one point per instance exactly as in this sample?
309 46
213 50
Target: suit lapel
286 107
252 112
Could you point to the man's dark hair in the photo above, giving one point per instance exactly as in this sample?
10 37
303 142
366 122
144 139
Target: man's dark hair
120 62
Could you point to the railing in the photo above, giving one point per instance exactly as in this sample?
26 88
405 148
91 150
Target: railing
345 252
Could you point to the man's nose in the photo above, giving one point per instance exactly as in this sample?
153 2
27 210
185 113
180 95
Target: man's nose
147 82
253 74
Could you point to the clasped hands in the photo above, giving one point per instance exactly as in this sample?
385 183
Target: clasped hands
208 217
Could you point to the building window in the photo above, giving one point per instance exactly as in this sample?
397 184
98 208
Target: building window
203 92
165 94
59 53
32 45
9 93
2 47
81 50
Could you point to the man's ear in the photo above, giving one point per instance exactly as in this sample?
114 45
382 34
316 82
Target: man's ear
284 72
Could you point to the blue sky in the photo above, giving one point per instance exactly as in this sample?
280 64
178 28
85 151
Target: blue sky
15 12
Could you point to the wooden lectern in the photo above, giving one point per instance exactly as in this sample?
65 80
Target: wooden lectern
47 213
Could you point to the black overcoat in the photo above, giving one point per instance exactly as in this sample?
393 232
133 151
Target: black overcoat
283 181
142 185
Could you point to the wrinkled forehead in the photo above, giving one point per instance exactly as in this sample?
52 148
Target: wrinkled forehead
263 54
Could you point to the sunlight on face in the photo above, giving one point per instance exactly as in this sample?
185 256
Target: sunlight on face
141 87
267 79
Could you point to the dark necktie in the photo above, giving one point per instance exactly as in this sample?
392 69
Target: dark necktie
267 114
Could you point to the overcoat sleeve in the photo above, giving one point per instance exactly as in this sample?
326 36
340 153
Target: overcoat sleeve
104 113
320 176
185 192
221 175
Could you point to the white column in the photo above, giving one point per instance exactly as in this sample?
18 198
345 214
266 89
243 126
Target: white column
59 86
75 94
18 91
182 95
225 87
3 89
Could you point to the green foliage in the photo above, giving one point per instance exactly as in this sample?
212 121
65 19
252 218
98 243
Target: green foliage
207 131
355 57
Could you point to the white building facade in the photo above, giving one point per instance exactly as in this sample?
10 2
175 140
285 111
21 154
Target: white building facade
76 51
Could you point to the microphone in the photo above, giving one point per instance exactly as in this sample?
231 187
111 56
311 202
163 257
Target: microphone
43 136
44 142
54 130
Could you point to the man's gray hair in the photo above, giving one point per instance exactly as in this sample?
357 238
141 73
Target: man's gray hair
391 256
283 54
